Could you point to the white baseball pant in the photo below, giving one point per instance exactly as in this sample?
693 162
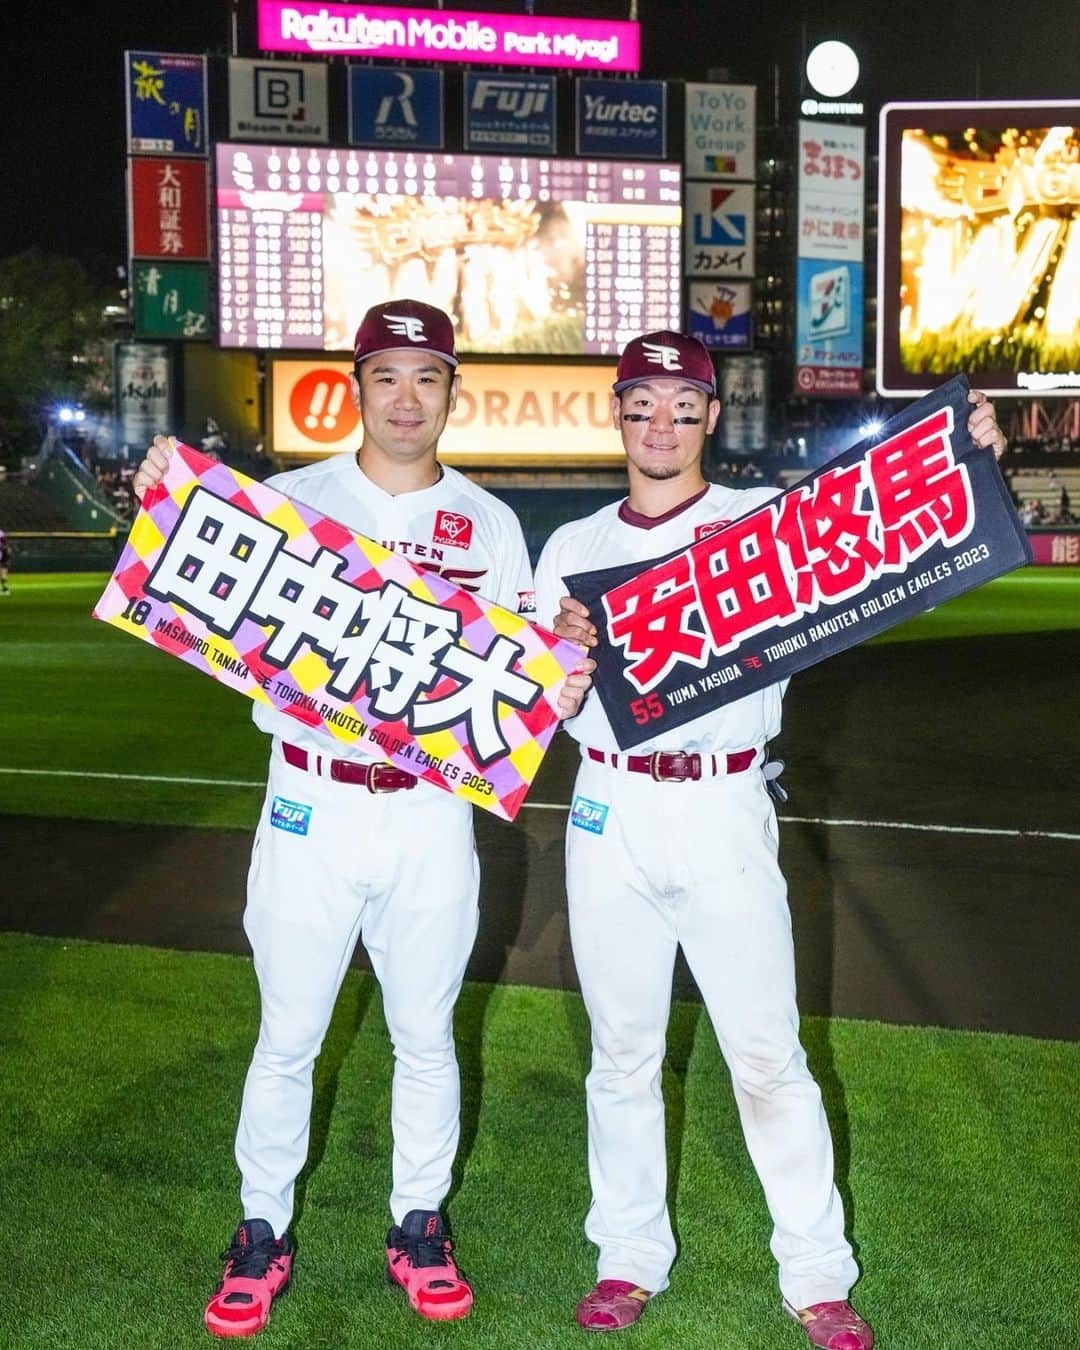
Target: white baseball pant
695 864
399 872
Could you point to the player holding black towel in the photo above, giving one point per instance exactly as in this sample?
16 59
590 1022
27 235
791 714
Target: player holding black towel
676 844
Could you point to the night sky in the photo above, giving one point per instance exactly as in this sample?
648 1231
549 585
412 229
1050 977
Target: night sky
63 101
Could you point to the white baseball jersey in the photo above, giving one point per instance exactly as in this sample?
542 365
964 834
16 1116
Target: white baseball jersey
615 535
453 527
333 861
652 866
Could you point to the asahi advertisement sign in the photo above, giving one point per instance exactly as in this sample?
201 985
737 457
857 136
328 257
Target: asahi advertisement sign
744 422
143 391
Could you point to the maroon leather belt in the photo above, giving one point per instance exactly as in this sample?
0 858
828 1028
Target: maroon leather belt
676 766
375 777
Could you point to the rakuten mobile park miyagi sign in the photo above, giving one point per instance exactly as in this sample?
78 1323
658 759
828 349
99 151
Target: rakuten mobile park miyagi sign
447 35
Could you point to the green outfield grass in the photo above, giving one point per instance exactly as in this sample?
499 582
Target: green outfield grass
122 1073
77 694
1032 600
80 695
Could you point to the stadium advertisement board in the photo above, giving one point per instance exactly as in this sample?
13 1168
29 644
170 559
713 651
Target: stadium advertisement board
621 118
399 108
719 314
744 396
143 391
279 101
510 112
167 208
1055 548
720 131
829 275
166 103
720 230
979 247
532 415
171 300
447 35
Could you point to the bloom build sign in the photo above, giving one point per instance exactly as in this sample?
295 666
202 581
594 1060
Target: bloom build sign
447 35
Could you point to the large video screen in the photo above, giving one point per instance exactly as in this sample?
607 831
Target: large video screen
979 262
538 256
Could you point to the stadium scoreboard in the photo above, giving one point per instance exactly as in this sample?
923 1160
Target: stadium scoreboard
530 255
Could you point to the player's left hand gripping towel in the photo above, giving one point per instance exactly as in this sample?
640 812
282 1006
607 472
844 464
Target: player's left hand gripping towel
297 612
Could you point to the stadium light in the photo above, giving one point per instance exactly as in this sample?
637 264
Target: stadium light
871 427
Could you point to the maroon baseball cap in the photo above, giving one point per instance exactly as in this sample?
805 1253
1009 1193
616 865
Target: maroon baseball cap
408 324
666 356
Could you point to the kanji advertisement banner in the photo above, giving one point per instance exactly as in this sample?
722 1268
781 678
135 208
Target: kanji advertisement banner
273 599
166 103
888 529
829 312
167 208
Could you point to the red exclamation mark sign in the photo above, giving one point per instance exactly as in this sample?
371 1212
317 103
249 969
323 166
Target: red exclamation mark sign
321 407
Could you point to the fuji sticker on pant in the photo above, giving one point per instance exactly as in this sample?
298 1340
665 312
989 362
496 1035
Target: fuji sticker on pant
294 817
588 815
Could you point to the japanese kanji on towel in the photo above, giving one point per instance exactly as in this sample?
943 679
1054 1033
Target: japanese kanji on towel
295 611
892 527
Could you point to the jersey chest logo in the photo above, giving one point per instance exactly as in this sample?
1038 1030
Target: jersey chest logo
703 531
452 529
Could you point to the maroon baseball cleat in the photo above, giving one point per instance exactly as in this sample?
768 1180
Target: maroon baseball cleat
257 1267
835 1326
612 1305
418 1259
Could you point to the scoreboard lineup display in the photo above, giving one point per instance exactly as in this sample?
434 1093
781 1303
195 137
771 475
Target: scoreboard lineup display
532 256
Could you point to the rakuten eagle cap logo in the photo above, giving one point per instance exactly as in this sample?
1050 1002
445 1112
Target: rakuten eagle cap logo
448 35
659 355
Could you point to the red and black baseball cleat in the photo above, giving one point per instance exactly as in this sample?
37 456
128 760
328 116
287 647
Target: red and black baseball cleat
611 1305
257 1268
835 1326
418 1258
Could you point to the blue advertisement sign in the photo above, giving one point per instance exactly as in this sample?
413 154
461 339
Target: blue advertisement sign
626 119
166 103
719 314
829 327
510 112
400 107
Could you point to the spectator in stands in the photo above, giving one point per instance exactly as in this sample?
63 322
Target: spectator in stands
5 562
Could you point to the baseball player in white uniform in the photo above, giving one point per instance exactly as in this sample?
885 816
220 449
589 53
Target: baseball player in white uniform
665 850
382 857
